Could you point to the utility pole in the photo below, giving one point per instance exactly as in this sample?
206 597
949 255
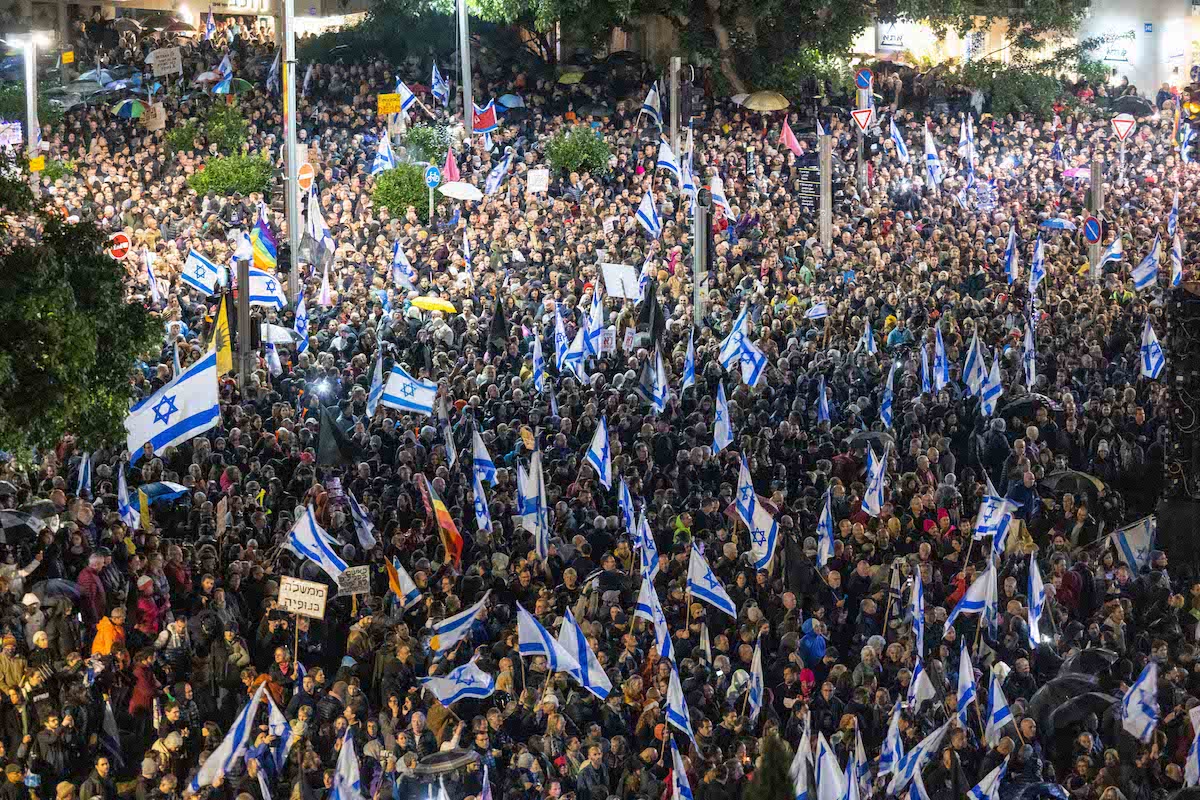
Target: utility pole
860 171
291 159
464 46
825 212
1097 209
700 252
245 362
29 45
676 66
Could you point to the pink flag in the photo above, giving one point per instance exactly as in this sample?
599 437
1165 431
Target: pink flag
788 138
451 170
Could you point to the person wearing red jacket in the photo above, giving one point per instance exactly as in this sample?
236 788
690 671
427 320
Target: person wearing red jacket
93 599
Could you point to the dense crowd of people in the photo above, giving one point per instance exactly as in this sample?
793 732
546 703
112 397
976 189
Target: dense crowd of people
129 652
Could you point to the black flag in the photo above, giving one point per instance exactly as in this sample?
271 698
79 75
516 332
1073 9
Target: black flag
335 446
651 314
498 331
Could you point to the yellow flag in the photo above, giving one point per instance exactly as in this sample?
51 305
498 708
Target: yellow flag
220 341
145 504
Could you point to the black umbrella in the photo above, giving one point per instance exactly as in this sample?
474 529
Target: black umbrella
158 21
1029 404
127 24
1138 106
877 439
1077 708
6 487
1089 662
1047 699
1069 480
41 509
17 526
57 587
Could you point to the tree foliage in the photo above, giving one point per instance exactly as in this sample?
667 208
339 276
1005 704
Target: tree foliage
68 339
579 149
224 126
226 175
182 138
427 142
397 189
771 780
12 106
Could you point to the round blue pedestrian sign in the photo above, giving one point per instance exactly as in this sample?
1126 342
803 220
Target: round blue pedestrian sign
863 78
433 176
1091 230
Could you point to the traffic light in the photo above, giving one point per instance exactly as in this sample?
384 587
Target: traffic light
283 261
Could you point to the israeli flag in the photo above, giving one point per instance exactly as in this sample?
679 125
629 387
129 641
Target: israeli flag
151 278
625 501
647 548
232 748
979 598
200 273
534 640
872 501
822 401
1173 217
539 364
593 325
920 688
798 771
966 686
266 290
403 274
992 517
753 362
1134 542
756 686
998 713
496 177
941 364
210 27
719 200
85 475
1029 356
659 399
1146 273
309 540
650 609
817 311
186 407
916 608
731 346
1139 706
989 787
438 87
764 530
1185 141
1114 252
1153 359
926 385
677 710
892 752
885 405
705 585
465 681
647 215
1012 256
913 763
680 789
385 157
827 774
825 542
452 630
666 160
1037 601
409 593
866 342
277 726
992 389
301 326
225 70
561 344
975 370
689 363
362 524
898 140
483 465
598 455
1037 267
405 393
573 358
687 175
407 98
652 106
129 515
376 393
1176 261
1191 769
933 164
589 675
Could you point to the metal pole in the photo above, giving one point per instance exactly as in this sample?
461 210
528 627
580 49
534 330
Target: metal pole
825 149
1122 161
431 223
1097 210
32 132
699 259
676 66
860 172
291 155
464 47
245 357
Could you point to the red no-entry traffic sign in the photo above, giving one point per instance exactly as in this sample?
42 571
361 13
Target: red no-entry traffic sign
118 246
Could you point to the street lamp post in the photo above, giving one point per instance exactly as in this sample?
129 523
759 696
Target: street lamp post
291 155
464 46
29 44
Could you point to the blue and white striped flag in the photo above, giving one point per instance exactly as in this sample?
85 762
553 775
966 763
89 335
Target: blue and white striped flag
1037 267
465 681
680 788
151 278
363 528
403 274
277 726
993 516
347 780
941 363
704 584
84 483
677 710
799 770
1139 706
129 515
385 157
755 688
689 363
998 713
979 598
817 311
898 140
658 400
109 736
825 541
1191 768
301 326
589 675
649 608
405 393
561 343
1012 256
1037 601
481 459
1114 252
233 747
920 688
872 501
926 383
483 515
598 454
1173 216
885 404
822 401
266 290
407 98
1176 260
975 370
1134 542
210 27
539 363
827 773
452 630
647 549
309 540
989 787
933 164
625 501
1152 357
200 273
647 215
992 389
892 752
535 640
717 189
186 407
913 763
438 87
916 609
652 106
666 160
1029 356
496 177
867 341
1146 273
376 393
966 686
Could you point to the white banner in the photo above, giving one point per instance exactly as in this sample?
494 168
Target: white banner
166 61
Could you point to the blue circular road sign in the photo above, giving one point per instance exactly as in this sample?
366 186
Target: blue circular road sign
863 78
433 176
1091 230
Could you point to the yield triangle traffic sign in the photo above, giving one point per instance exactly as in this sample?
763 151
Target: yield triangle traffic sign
1123 125
863 117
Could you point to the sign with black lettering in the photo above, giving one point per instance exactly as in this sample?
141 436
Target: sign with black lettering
810 187
355 580
306 598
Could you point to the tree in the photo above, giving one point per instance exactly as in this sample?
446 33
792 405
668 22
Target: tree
579 149
397 189
229 174
68 338
771 779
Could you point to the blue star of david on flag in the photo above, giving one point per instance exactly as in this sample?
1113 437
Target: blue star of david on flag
163 410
